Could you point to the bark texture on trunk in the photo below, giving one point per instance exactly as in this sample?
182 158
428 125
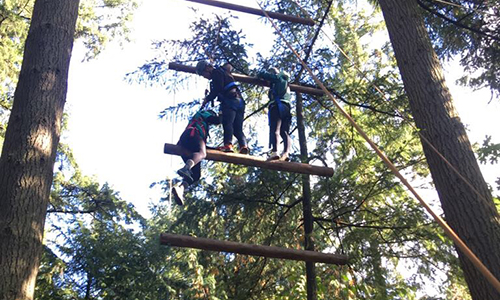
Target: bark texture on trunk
29 149
474 218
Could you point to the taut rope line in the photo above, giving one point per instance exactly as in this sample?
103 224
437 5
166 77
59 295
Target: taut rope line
448 230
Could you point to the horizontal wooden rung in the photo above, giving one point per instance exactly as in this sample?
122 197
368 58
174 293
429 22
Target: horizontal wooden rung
255 11
250 249
254 161
251 80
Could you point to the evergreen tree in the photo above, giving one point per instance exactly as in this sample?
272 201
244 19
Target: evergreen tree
361 211
28 155
471 212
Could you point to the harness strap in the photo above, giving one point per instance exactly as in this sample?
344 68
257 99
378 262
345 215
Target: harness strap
230 86
229 101
197 125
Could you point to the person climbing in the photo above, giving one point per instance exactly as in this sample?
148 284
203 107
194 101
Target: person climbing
194 140
279 114
232 105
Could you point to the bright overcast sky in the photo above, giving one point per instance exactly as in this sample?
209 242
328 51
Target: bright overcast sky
114 127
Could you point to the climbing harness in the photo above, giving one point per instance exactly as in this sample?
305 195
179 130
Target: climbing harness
235 103
199 124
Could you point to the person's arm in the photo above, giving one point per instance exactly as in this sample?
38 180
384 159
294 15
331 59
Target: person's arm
214 120
268 76
216 86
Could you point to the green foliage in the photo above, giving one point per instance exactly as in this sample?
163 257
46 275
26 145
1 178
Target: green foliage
362 211
14 24
488 151
99 21
470 29
213 40
50 283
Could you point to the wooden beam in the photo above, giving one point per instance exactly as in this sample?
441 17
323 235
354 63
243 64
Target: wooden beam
250 249
256 11
251 80
254 161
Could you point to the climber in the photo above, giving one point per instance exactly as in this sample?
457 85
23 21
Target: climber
279 111
232 105
194 139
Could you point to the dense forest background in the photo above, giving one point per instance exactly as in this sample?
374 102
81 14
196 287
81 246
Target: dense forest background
98 246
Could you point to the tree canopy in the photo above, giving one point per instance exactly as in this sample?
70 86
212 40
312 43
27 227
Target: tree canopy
99 247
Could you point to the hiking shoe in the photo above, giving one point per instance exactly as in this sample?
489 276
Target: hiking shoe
273 155
186 174
244 150
178 193
226 148
284 156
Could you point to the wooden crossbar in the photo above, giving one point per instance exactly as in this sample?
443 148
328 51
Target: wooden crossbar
250 249
256 11
252 80
254 161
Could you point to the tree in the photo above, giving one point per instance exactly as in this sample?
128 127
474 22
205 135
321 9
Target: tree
98 23
29 150
468 29
361 211
103 255
471 213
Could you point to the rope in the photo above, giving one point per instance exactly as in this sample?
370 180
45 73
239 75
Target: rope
409 122
448 230
170 180
448 3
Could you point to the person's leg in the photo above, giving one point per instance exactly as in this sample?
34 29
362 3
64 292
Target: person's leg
228 116
199 155
178 192
238 131
274 125
287 141
285 133
196 171
197 145
191 172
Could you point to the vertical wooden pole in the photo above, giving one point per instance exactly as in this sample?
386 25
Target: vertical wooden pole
306 202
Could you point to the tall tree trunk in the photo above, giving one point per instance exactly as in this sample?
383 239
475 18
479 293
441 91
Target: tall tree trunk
474 218
306 203
29 149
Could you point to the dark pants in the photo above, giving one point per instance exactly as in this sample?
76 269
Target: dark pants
232 123
279 124
195 144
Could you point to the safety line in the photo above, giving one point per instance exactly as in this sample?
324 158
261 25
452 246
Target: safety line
363 74
448 230
441 156
448 3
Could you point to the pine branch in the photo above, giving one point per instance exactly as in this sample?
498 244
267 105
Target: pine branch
455 22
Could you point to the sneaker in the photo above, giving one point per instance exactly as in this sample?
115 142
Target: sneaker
186 174
273 155
244 150
284 156
226 148
178 193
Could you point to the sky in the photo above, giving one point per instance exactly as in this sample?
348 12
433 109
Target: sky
114 128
